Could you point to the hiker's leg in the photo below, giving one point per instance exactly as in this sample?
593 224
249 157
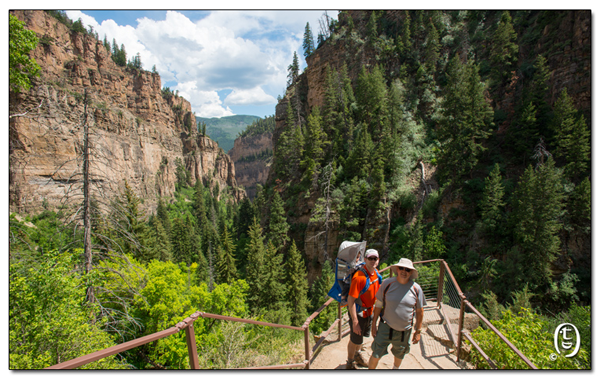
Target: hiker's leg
373 361
397 362
355 341
352 348
400 347
379 345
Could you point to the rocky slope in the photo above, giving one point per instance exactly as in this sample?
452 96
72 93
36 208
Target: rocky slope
137 133
251 165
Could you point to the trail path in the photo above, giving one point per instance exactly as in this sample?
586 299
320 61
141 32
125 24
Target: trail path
429 353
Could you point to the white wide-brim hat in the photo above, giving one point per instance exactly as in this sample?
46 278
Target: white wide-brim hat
403 262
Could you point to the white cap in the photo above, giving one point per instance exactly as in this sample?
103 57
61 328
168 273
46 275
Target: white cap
371 253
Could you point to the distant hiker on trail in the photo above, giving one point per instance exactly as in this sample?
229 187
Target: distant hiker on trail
399 299
360 303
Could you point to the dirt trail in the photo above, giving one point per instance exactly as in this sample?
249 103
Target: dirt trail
429 353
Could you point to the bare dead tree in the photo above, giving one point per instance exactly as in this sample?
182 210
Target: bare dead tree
87 231
90 216
325 25
323 213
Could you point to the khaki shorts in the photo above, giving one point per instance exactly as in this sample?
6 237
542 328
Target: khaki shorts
400 345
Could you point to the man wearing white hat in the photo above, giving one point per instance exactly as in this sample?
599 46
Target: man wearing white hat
399 299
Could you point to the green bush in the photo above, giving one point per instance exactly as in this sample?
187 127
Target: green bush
530 334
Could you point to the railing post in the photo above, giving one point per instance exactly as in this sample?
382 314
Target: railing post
191 344
339 321
440 294
306 346
461 318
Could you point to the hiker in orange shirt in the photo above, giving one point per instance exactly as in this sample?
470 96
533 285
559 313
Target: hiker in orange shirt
360 303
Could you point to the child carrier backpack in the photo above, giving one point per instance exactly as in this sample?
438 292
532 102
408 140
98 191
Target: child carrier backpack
350 259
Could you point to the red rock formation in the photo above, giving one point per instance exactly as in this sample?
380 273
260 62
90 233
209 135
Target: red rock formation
137 134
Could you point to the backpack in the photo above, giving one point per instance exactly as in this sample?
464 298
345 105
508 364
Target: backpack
350 259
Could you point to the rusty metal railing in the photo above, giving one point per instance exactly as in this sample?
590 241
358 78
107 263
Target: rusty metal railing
447 290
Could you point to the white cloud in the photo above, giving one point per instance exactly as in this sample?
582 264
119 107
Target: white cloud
205 103
247 52
255 96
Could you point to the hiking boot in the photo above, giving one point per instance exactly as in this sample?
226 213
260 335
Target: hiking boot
350 364
361 358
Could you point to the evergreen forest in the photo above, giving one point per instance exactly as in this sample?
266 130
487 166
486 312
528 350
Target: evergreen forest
461 94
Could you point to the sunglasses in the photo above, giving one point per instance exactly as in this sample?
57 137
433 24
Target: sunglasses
404 269
372 258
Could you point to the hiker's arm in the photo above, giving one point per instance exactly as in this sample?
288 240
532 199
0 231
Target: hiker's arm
418 324
376 312
352 312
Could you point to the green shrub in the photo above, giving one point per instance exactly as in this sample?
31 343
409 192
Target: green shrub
529 333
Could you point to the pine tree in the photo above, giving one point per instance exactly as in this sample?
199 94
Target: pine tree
162 244
226 270
297 138
580 205
466 120
314 142
526 133
432 46
163 215
246 215
372 27
537 207
255 270
504 50
293 70
131 225
278 226
406 35
308 43
571 137
539 89
199 207
360 161
181 242
378 192
274 290
492 202
372 98
297 285
578 154
330 106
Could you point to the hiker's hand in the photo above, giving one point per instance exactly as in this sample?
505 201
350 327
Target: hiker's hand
416 337
374 330
356 327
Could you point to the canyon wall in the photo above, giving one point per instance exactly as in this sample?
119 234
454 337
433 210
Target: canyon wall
137 132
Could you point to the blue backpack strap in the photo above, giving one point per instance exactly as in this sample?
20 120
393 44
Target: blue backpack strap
379 277
368 284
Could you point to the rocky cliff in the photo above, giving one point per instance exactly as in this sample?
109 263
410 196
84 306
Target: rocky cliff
251 163
138 133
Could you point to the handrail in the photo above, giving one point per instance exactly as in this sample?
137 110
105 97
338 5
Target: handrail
86 359
464 302
187 324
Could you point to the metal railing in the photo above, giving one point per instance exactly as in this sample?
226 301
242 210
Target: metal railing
450 294
444 290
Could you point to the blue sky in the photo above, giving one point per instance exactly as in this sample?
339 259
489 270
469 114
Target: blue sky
225 62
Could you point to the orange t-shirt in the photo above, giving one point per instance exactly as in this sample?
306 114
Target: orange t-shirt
368 298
